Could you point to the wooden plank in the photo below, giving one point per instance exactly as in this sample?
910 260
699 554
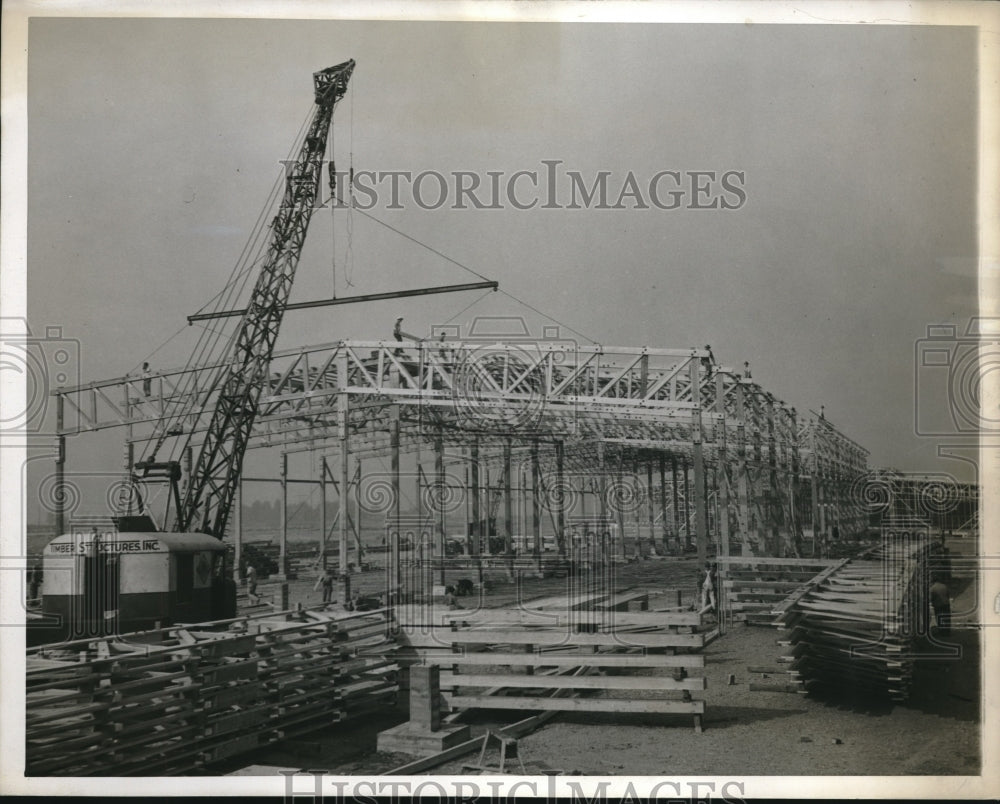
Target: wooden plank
444 637
501 680
563 619
565 602
822 563
795 597
738 584
773 670
757 687
575 704
562 659
748 596
622 599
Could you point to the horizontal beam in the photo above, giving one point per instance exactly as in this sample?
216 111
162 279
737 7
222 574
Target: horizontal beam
367 297
552 659
650 705
429 636
505 680
607 619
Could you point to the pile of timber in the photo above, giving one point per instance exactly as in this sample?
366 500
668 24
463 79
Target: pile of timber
758 590
638 652
173 700
855 629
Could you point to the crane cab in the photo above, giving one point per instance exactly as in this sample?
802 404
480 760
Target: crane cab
101 583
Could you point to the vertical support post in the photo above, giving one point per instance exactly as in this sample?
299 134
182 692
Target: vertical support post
620 509
468 507
687 504
477 517
440 497
561 507
756 488
128 453
817 494
742 497
650 502
700 525
698 467
602 496
128 457
793 481
283 533
508 512
343 411
536 505
395 580
774 510
129 462
489 509
722 471
823 504
322 513
676 501
60 495
425 696
663 502
522 514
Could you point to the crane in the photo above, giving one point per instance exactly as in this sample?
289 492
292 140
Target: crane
94 598
207 500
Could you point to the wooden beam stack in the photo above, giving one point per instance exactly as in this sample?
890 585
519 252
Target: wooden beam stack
170 701
855 630
757 589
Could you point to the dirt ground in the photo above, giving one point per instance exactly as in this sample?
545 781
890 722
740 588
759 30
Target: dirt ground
937 731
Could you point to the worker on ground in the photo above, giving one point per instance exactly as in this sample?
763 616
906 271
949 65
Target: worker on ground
252 585
941 603
708 589
34 582
326 581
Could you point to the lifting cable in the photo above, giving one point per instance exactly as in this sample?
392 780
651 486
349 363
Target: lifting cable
207 349
474 273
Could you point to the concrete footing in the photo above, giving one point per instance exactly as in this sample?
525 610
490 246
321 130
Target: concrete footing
410 738
423 734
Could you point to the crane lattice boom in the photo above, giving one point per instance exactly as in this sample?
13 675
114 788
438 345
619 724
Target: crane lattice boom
212 486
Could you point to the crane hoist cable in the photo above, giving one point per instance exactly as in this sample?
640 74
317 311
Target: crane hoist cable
214 343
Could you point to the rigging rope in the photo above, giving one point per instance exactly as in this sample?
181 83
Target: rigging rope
215 343
474 273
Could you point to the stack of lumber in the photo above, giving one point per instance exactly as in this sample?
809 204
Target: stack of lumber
513 658
856 628
169 701
756 590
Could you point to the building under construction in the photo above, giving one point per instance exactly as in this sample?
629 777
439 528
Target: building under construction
550 460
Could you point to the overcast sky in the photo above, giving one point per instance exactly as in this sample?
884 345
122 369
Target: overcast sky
153 145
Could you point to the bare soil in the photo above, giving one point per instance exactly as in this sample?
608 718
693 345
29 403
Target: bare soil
937 731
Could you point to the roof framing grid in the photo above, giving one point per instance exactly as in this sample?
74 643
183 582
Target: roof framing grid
753 454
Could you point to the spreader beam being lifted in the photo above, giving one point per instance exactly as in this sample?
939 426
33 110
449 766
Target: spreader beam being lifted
367 297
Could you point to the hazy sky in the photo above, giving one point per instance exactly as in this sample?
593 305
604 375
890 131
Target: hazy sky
153 145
